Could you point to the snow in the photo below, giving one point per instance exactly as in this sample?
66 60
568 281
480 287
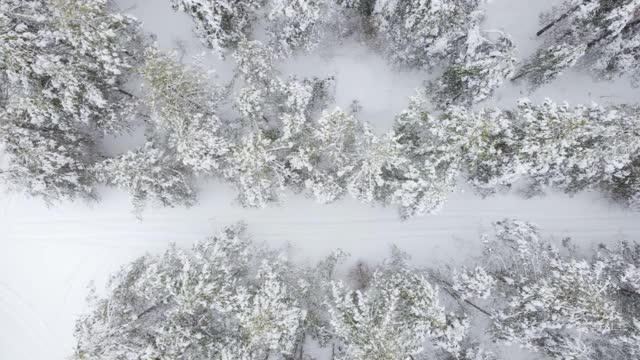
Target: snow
361 75
48 256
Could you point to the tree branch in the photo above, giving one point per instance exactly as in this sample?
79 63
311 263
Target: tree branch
562 17
449 289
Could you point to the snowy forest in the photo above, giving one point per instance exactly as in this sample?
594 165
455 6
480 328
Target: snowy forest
229 298
92 101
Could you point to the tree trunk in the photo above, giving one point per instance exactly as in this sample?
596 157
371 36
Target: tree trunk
519 75
562 17
626 28
304 336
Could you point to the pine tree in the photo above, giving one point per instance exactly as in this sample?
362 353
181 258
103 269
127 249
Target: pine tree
183 105
622 263
443 148
476 284
570 148
482 63
316 280
277 115
46 160
419 33
393 317
257 172
68 60
391 170
221 24
299 24
562 305
150 305
215 301
148 173
576 148
328 157
268 314
64 65
601 36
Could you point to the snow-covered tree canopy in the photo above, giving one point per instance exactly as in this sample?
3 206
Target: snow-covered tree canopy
393 317
548 145
602 36
75 70
299 24
550 300
569 148
484 60
419 32
220 23
149 173
223 299
64 65
291 25
183 104
228 298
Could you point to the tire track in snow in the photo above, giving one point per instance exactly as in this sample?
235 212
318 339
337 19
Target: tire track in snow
18 314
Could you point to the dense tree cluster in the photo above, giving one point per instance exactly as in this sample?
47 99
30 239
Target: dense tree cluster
220 23
228 298
64 64
431 33
73 70
548 145
550 300
287 140
210 302
291 25
481 62
413 33
602 36
393 316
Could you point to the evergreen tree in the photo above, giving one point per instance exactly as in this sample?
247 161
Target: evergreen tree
68 61
257 172
393 317
442 148
424 34
317 282
183 105
577 148
484 60
221 24
419 33
329 155
277 115
148 173
228 298
600 35
217 301
46 160
64 65
562 305
549 145
299 24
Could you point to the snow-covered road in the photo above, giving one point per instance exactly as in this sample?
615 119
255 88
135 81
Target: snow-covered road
49 256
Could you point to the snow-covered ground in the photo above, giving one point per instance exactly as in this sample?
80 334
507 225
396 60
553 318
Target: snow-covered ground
48 256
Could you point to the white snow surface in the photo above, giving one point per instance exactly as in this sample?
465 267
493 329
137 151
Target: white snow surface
48 256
